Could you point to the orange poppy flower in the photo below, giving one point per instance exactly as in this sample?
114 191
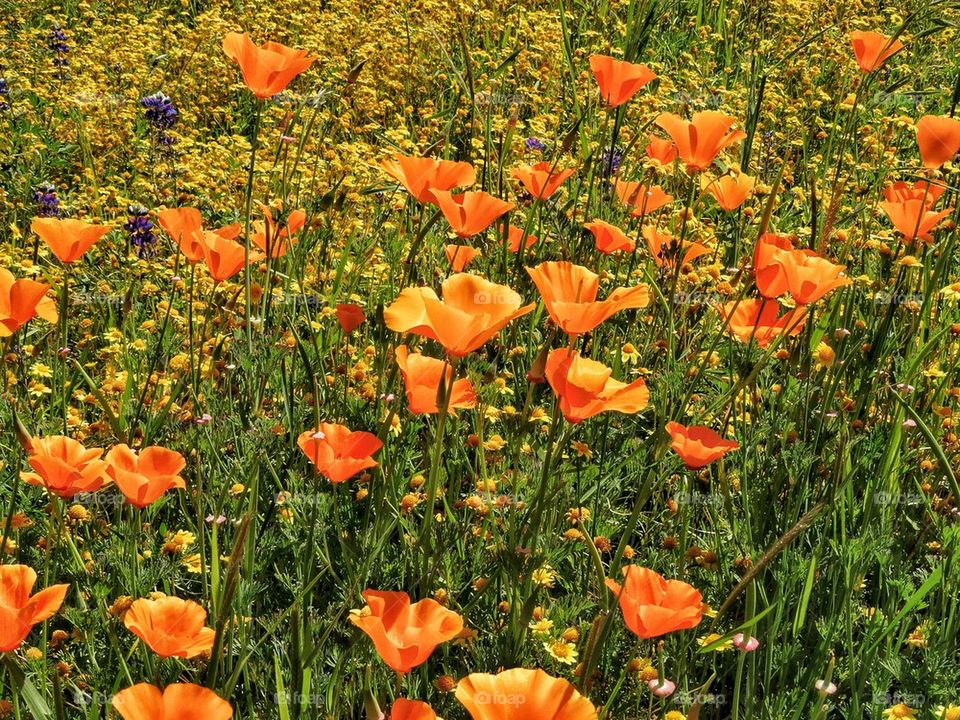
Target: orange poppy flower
279 238
471 212
421 176
143 477
618 80
938 139
909 209
224 258
170 626
459 256
522 694
570 294
405 634
20 611
184 225
65 467
68 239
337 452
515 235
421 377
652 606
541 180
584 387
473 311
873 49
641 199
663 150
21 301
928 193
756 319
665 248
180 701
404 709
802 273
609 238
267 69
350 316
730 191
697 445
700 140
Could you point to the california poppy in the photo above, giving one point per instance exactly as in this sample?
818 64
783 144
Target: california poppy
350 316
730 191
652 606
404 709
663 150
698 445
938 139
802 273
609 238
473 311
665 249
275 238
337 452
767 245
471 212
422 376
170 626
405 634
21 301
584 387
184 225
641 199
618 80
515 235
19 610
909 209
701 139
422 175
267 69
144 476
543 179
65 467
459 256
756 319
522 694
68 239
224 258
872 49
180 701
570 294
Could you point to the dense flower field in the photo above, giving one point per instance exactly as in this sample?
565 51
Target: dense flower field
493 360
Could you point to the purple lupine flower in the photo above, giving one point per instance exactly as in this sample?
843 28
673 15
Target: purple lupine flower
48 204
140 230
535 144
162 115
4 95
58 43
610 161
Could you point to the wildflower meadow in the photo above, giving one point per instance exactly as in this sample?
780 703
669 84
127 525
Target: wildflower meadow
480 360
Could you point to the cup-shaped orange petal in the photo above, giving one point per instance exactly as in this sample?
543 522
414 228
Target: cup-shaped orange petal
422 175
522 694
267 69
618 80
21 300
459 256
666 250
350 316
224 257
585 387
515 236
872 49
663 150
68 239
170 626
609 238
756 320
730 191
421 378
806 276
19 610
471 212
700 139
65 467
337 452
144 476
404 709
180 701
543 179
698 445
938 139
641 199
652 606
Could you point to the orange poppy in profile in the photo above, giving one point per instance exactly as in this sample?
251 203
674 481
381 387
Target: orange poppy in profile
609 238
180 701
471 212
459 256
170 626
543 179
653 606
757 319
938 139
421 378
224 258
910 209
730 191
665 249
767 246
802 273
515 235
422 175
337 452
873 49
584 387
19 610
522 694
267 69
701 139
68 239
698 445
570 294
65 467
618 80
184 225
473 311
275 238
144 476
404 709
21 301
663 150
350 316
641 199
405 634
